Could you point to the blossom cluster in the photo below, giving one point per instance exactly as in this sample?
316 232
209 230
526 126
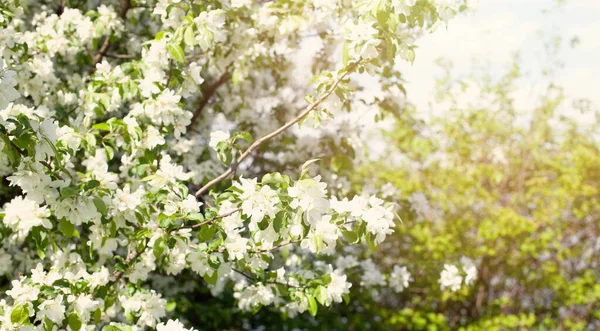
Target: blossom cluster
140 146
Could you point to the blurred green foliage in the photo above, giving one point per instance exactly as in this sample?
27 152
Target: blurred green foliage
516 191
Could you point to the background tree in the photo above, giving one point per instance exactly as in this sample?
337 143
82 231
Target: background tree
508 197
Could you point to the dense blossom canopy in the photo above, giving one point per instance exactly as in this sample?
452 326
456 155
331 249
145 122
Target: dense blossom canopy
141 141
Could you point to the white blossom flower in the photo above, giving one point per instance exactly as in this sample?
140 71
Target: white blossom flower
470 270
125 200
371 276
403 6
323 237
216 137
210 25
309 196
7 82
338 287
380 220
172 325
257 202
236 246
23 293
199 263
399 278
363 38
22 214
450 278
53 309
346 262
195 71
254 295
168 174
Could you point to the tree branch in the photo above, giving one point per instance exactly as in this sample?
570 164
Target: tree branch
125 8
283 244
61 8
119 274
106 45
210 220
277 132
47 165
42 162
265 282
120 56
103 50
208 92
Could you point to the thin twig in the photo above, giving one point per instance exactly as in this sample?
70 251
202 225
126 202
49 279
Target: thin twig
106 45
277 132
266 282
210 220
61 8
276 246
120 56
103 50
119 274
47 165
125 8
44 163
259 251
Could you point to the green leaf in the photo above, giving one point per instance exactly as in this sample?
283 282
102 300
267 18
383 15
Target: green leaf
243 135
100 205
351 236
150 177
188 36
176 52
69 191
206 232
68 229
410 55
370 242
312 305
321 294
19 314
104 100
58 156
92 184
116 328
345 56
346 298
305 166
277 179
177 36
212 279
74 321
171 305
110 152
48 324
278 222
12 153
40 237
97 315
101 127
159 35
196 217
159 247
142 234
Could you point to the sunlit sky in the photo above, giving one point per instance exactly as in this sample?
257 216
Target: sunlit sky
489 36
498 28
